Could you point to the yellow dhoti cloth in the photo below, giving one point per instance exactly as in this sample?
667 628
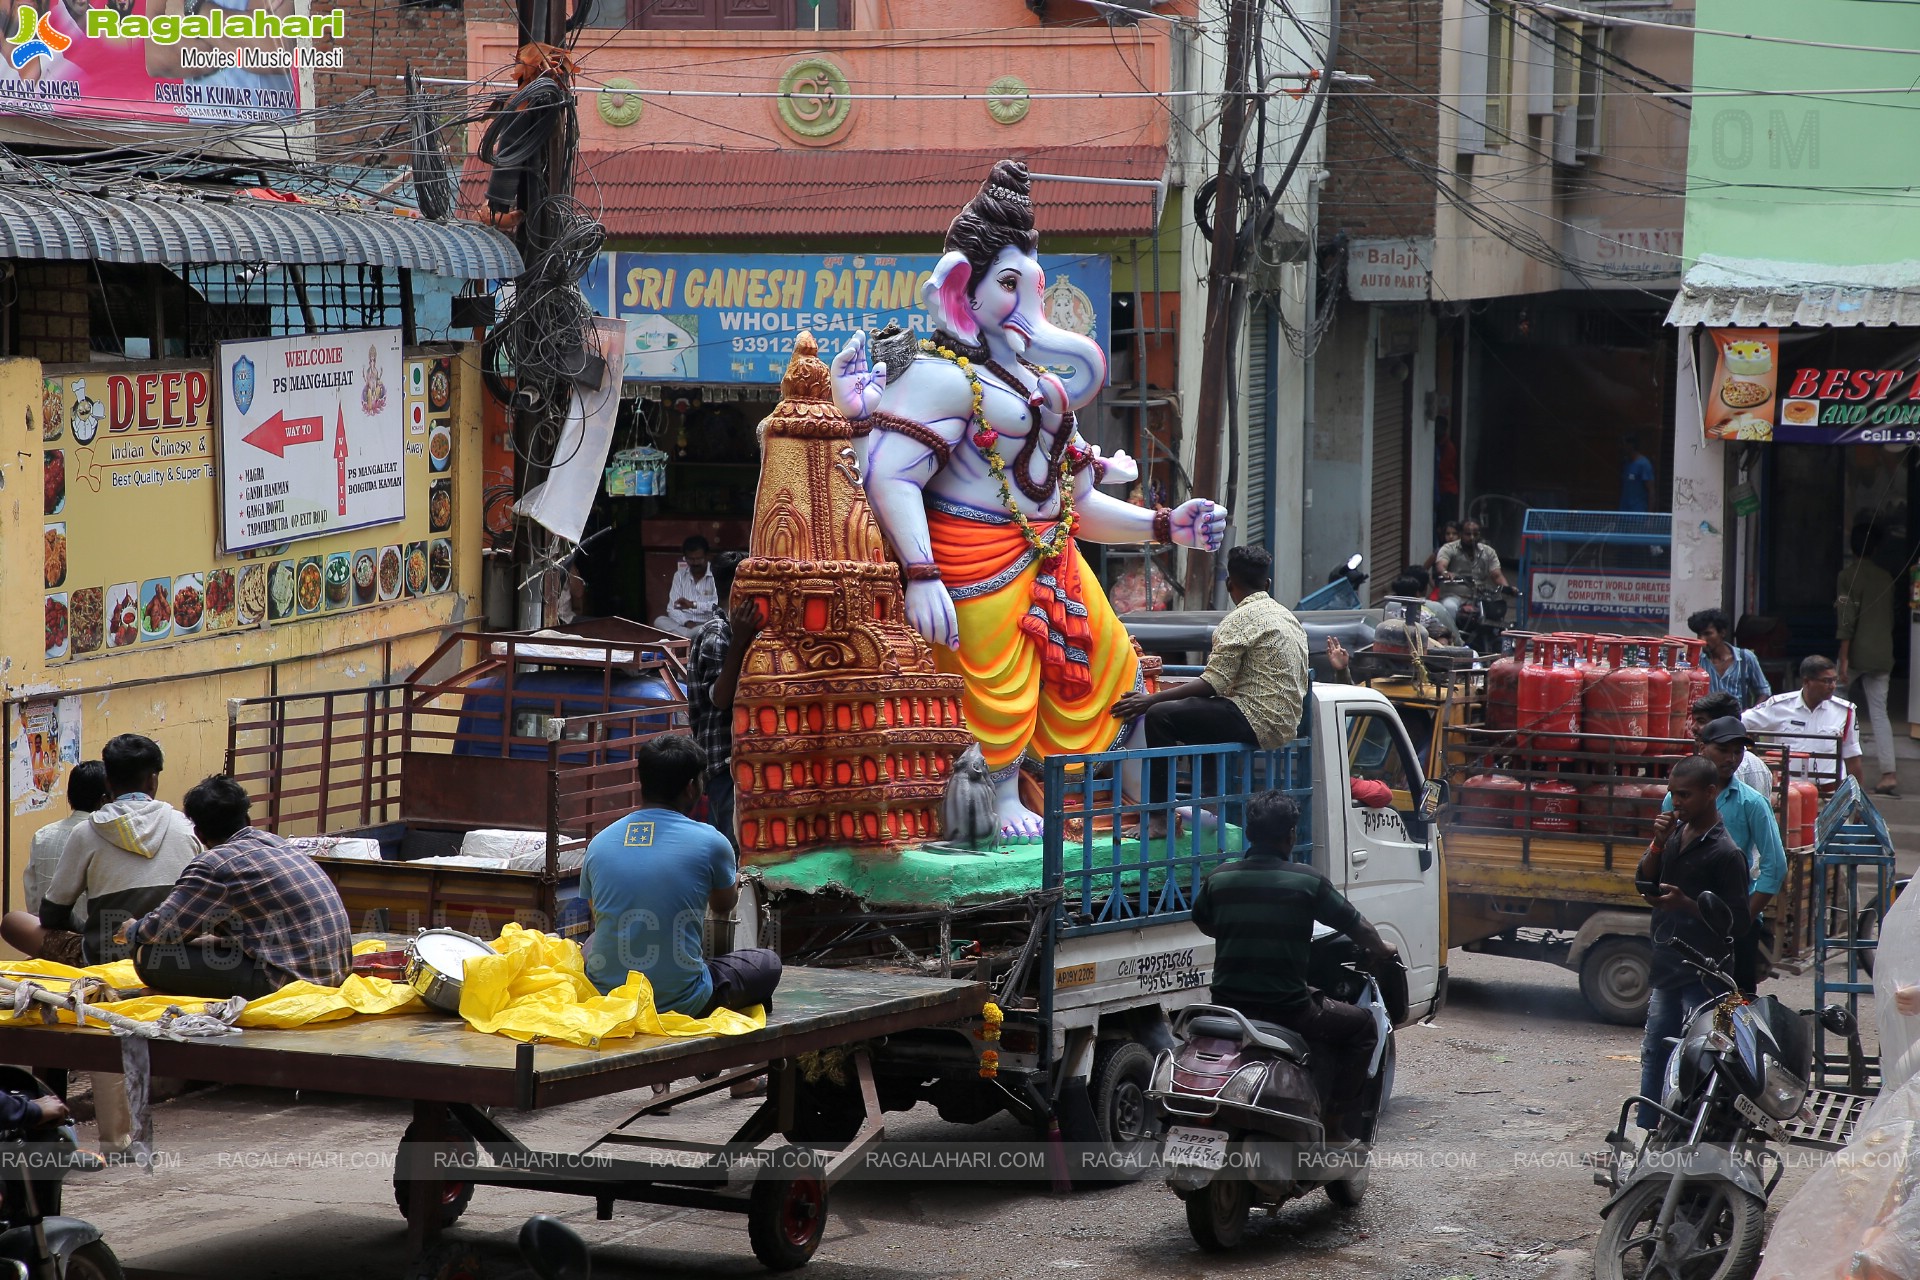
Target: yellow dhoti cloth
1042 652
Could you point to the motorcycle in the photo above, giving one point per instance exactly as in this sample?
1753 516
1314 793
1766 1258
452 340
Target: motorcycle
36 1242
1691 1199
1342 590
1243 1123
1481 614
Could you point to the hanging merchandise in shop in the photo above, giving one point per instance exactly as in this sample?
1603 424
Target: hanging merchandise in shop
731 318
1814 386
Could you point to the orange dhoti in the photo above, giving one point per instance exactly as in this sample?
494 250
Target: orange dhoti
1042 652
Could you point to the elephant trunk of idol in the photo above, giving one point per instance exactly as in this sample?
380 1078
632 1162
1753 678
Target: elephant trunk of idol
1078 362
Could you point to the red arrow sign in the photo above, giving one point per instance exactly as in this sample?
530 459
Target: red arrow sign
340 454
277 433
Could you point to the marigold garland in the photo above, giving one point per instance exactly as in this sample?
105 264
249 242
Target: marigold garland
1058 539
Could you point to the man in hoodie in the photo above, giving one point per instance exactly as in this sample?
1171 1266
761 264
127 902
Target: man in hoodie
125 856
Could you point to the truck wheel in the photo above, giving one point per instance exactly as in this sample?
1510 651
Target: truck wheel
1615 977
788 1212
94 1262
1122 1072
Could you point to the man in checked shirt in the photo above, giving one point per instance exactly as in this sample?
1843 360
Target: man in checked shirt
246 917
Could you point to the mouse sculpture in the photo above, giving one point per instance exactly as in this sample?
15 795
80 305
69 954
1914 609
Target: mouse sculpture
970 813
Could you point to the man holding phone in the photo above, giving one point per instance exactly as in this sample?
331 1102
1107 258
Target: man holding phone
1690 854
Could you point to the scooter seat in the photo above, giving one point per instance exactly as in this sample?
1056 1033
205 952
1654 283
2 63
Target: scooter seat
1268 1035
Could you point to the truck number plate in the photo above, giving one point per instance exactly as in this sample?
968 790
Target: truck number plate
1195 1148
1751 1110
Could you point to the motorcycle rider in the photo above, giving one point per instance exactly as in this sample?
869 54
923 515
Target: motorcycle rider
1260 912
1468 558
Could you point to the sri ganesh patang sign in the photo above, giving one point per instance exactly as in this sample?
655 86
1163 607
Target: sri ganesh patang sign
723 318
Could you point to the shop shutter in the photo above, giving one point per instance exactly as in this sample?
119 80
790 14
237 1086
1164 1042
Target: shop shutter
1258 521
1387 543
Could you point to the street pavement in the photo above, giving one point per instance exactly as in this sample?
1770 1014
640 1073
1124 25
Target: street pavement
1479 1176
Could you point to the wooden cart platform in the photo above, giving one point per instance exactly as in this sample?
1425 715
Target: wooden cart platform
454 1075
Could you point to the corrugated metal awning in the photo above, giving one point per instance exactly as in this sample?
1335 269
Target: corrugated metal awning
659 194
1780 295
180 227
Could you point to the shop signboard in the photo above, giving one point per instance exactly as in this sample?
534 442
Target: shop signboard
1587 596
312 436
133 508
731 318
1814 386
1390 270
57 69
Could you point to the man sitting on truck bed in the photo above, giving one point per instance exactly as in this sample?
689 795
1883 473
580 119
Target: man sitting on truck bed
650 880
1252 691
1260 911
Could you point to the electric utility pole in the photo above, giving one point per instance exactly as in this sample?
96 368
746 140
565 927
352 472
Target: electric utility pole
1224 293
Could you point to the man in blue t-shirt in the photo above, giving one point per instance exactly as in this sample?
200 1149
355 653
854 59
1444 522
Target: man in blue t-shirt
1636 478
650 879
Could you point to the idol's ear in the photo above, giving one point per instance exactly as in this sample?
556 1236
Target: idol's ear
945 295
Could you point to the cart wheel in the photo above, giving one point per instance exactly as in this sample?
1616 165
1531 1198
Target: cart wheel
788 1212
449 1262
454 1196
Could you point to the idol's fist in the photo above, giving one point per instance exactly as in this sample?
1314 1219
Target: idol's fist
1200 524
857 383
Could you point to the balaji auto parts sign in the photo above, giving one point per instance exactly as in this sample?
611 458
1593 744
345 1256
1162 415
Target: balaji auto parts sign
312 436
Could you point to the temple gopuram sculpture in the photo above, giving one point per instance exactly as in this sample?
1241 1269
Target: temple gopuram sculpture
981 481
844 731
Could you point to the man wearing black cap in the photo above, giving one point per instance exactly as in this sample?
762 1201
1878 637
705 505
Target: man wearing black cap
1753 829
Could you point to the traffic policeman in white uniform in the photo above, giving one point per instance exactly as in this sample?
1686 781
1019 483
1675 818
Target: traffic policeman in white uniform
1812 710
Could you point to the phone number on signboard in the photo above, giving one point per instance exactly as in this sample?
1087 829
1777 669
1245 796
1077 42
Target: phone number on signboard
770 344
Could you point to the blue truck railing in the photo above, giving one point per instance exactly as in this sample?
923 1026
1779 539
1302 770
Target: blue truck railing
1108 877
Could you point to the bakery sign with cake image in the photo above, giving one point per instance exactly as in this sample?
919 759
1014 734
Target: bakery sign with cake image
1814 387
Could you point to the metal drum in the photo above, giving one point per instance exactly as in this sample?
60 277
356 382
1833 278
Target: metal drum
436 962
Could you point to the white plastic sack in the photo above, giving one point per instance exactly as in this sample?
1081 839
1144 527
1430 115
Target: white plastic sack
357 847
569 857
503 846
1859 1218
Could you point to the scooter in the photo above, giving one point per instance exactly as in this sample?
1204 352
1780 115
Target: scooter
1342 590
1243 1122
36 1242
1691 1199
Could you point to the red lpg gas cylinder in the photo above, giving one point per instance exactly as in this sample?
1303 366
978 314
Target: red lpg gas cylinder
1659 694
1549 707
1554 807
1604 807
1489 799
1800 833
1699 679
1615 704
1503 682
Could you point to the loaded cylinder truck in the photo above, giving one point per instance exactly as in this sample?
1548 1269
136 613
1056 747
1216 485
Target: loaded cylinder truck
1086 943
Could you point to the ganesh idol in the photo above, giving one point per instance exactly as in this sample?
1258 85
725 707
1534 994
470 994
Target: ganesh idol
981 481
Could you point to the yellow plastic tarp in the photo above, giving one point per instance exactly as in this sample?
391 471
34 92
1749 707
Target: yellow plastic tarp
536 986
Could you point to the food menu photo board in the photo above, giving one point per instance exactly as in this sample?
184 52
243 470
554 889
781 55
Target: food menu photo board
132 500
